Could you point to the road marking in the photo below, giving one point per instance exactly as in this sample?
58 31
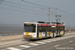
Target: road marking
46 41
69 37
11 48
66 37
34 44
54 40
56 45
41 42
70 41
62 38
25 46
58 39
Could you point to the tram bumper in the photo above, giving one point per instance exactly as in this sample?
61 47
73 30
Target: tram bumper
27 37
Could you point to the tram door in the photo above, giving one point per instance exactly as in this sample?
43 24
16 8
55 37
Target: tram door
41 32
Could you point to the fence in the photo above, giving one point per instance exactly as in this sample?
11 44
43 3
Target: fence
10 35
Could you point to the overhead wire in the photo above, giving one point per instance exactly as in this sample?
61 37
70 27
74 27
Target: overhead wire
37 4
47 7
34 6
20 11
66 12
22 4
16 10
20 7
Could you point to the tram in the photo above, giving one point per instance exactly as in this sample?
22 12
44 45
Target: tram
39 30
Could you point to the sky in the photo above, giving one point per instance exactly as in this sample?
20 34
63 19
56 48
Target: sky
18 12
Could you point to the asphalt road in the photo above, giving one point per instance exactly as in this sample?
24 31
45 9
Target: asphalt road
66 42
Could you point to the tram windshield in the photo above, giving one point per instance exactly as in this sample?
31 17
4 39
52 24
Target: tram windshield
29 27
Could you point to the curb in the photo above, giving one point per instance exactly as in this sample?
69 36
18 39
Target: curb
10 39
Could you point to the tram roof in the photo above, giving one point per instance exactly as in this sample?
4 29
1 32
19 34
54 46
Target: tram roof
45 23
31 22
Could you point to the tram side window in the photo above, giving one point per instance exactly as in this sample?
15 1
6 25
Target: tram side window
42 28
47 28
61 28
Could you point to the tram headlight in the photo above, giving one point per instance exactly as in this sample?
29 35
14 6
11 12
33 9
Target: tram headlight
24 33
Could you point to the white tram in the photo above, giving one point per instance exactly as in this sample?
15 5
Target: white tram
39 30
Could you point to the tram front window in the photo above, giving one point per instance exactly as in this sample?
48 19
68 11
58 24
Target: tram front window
29 28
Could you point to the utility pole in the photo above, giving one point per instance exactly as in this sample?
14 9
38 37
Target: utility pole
48 14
